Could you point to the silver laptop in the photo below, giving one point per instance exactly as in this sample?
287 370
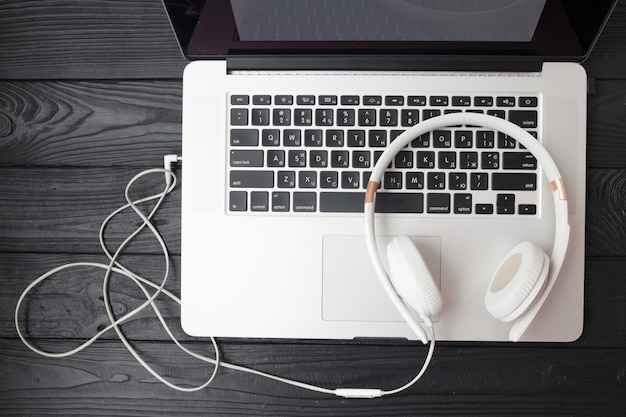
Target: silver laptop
287 106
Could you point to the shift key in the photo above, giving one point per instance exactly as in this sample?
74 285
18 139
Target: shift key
514 182
251 179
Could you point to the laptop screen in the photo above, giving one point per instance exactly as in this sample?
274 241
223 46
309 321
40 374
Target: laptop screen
248 29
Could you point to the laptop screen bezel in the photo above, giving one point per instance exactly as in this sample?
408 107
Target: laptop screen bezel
567 31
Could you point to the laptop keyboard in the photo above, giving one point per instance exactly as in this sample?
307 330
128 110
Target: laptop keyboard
314 153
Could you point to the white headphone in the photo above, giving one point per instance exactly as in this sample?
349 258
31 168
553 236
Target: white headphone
521 282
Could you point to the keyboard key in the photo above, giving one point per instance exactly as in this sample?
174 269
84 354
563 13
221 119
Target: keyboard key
367 117
372 100
415 180
356 138
244 137
297 158
484 208
239 100
275 158
430 113
394 100
361 159
305 100
442 139
409 118
463 203
436 181
329 179
238 201
463 101
307 179
334 138
259 201
328 100
350 179
479 181
239 117
324 117
518 160
438 203
528 101
483 101
389 117
505 101
416 100
286 179
392 180
246 158
261 100
304 202
251 179
399 203
524 118
350 100
312 138
318 159
283 100
353 202
292 137
527 209
377 138
260 117
280 201
458 181
513 181
270 137
281 117
438 101
490 160
345 117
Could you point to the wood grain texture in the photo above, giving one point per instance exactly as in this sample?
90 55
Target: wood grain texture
578 382
130 123
94 97
100 39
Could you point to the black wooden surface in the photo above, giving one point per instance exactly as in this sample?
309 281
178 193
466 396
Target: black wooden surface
90 94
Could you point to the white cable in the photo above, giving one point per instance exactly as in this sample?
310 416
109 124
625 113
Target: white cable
114 266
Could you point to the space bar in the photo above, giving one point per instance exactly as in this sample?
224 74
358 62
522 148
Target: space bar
347 202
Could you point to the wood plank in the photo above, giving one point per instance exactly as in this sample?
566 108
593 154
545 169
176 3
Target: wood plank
606 122
89 123
460 381
103 39
70 304
64 208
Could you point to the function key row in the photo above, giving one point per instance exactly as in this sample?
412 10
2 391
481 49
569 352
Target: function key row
378 100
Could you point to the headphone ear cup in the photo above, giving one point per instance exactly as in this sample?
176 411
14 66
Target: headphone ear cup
411 278
517 282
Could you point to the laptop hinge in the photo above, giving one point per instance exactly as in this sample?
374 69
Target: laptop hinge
386 63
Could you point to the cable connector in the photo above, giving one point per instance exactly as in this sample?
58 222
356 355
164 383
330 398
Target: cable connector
168 161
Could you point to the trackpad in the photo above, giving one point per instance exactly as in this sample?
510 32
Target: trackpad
351 289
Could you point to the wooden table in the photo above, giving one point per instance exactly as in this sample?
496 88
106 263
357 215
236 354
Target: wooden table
90 94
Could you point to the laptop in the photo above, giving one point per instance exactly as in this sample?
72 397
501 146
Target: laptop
288 104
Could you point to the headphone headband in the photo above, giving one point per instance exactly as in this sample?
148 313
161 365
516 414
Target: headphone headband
532 145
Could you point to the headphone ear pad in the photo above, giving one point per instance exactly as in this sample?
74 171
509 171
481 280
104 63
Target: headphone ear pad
411 278
517 282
